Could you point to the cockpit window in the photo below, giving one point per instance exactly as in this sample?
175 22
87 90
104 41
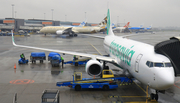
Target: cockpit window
152 64
168 65
147 63
158 64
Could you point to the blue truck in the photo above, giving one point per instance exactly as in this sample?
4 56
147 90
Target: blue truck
79 83
22 61
51 54
54 58
37 56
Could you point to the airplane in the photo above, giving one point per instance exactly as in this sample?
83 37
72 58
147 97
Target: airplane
140 28
148 28
120 29
72 31
136 28
135 58
80 25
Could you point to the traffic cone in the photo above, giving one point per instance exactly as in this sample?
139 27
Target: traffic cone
94 76
15 66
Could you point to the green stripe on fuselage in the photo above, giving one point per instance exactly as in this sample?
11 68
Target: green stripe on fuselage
121 52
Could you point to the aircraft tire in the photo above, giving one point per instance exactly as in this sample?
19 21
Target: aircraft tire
156 97
76 63
152 96
106 87
75 35
77 88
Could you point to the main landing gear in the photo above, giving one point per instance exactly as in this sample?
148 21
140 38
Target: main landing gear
154 96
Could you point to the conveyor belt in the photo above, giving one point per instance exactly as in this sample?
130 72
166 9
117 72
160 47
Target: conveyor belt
171 49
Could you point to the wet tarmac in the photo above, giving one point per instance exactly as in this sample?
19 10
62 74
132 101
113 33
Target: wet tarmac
30 80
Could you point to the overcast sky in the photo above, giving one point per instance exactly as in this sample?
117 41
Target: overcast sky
148 12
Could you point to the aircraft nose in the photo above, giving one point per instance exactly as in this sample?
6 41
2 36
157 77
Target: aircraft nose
167 79
42 30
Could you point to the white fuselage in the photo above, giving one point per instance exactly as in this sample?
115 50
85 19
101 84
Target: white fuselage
84 29
133 56
119 28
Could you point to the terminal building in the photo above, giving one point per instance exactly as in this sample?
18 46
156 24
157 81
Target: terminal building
30 25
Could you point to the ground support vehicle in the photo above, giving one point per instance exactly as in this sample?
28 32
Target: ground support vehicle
50 96
76 61
102 83
51 54
37 56
56 59
22 61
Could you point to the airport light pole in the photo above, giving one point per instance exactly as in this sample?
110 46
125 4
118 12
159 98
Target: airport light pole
15 14
52 13
44 16
65 17
117 20
85 15
12 10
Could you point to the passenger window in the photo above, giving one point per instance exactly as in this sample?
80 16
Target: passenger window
168 65
158 64
151 64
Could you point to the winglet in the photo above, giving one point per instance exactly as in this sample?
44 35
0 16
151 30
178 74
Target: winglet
13 38
109 27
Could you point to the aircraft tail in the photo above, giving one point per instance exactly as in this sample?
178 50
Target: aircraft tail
83 23
109 27
103 23
127 25
150 26
141 26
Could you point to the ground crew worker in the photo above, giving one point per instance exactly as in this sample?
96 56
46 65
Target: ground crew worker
22 56
62 61
75 57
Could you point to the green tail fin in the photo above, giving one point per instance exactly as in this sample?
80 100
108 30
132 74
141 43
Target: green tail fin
108 22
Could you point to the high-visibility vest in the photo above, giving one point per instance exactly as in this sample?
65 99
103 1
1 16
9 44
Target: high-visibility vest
62 58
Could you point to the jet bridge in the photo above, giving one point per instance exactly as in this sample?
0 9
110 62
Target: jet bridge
171 49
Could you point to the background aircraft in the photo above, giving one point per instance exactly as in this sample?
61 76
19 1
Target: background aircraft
120 29
140 29
72 31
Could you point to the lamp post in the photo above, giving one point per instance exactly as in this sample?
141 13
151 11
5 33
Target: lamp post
117 20
65 17
52 13
44 16
12 10
15 14
85 15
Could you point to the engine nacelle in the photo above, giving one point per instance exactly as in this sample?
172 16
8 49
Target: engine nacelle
94 68
59 32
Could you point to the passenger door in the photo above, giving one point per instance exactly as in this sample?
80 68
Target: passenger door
137 62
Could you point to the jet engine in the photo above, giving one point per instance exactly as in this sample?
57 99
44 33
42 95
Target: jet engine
94 68
59 32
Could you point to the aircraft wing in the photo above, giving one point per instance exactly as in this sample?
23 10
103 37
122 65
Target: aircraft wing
95 36
99 57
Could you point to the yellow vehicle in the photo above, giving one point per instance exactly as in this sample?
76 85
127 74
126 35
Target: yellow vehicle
77 76
107 74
